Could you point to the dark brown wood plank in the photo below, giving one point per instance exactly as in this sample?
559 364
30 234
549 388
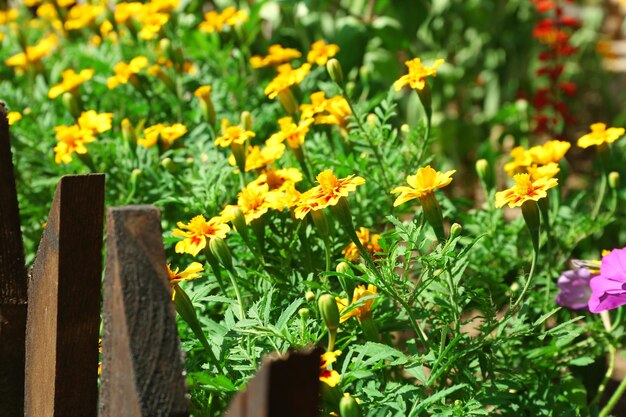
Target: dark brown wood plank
142 371
64 304
13 281
287 386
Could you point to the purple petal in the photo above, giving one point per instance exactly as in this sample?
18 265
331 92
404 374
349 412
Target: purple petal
599 303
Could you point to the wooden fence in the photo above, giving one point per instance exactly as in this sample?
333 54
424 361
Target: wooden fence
50 320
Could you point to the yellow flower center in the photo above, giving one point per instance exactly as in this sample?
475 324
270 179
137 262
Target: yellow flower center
523 184
327 180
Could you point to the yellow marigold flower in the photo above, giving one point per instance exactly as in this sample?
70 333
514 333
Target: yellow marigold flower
327 193
65 3
70 81
276 55
82 15
361 309
34 54
151 24
321 52
287 76
9 15
150 135
197 232
215 22
277 179
369 242
524 190
14 117
96 122
234 134
72 139
521 160
124 11
163 6
253 201
337 110
293 133
424 182
32 3
551 151
169 134
417 74
550 170
203 92
258 157
49 13
124 72
190 273
328 376
600 135
318 105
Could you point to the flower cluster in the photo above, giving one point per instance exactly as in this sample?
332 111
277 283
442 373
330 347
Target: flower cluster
163 134
72 139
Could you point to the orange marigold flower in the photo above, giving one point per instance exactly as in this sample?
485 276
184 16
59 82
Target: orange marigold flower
327 193
234 134
321 52
600 135
359 309
203 92
417 74
293 133
197 232
328 376
70 81
276 55
525 189
369 242
287 76
124 72
424 182
190 273
72 139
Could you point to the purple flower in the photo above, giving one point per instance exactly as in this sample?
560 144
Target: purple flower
609 288
575 289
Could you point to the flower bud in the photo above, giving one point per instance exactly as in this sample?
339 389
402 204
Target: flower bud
371 120
71 104
530 211
309 296
614 180
329 311
239 222
482 167
288 101
239 152
334 70
342 267
455 230
169 165
321 222
220 250
246 120
128 132
405 129
348 407
304 313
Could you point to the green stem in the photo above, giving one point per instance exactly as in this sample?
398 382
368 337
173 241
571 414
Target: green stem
614 399
327 252
596 208
233 280
528 281
607 375
332 336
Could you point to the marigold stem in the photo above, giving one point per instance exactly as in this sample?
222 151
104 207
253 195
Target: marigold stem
614 399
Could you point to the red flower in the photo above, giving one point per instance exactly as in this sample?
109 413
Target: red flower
568 88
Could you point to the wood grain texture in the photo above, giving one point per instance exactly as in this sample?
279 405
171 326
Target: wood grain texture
13 290
142 372
64 304
287 386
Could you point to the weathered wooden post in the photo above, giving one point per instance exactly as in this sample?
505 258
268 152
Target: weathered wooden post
287 386
13 288
142 372
64 304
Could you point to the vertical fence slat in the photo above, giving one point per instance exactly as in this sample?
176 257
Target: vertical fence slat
283 387
64 304
142 373
13 291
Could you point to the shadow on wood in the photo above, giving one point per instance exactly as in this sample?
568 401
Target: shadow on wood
142 372
64 304
13 289
287 386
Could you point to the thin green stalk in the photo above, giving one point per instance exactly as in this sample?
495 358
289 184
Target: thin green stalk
614 399
233 280
327 252
607 375
528 281
600 199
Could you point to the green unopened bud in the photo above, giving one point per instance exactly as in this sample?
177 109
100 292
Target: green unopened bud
220 250
309 296
348 407
334 70
405 129
342 267
614 180
304 313
455 230
239 222
128 132
246 120
482 167
329 311
288 101
530 211
71 104
432 213
134 175
321 222
169 165
239 152
371 120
